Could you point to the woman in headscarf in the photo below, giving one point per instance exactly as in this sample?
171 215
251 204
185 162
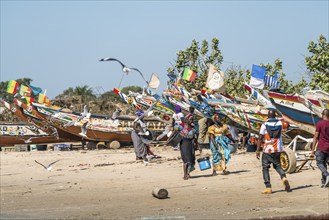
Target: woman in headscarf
186 146
142 147
178 115
177 120
139 146
220 137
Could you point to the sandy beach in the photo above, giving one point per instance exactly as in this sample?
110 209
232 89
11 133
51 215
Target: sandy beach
110 184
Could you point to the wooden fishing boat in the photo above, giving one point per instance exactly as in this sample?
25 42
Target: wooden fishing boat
294 111
30 115
260 98
138 101
23 133
98 127
317 94
239 117
324 103
313 107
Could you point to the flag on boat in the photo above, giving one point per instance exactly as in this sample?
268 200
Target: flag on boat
28 100
172 77
189 75
41 98
25 91
12 87
47 101
257 77
35 90
272 81
154 81
215 80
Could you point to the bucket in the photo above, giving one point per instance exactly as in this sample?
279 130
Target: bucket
204 163
174 139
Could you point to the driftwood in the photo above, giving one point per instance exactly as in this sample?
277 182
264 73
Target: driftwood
160 193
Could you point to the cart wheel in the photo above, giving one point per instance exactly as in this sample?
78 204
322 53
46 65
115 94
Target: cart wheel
101 145
288 160
115 145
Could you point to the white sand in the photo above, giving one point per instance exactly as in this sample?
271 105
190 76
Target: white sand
77 189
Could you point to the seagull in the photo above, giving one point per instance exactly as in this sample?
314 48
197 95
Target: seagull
125 69
27 140
84 114
116 114
49 167
83 132
55 132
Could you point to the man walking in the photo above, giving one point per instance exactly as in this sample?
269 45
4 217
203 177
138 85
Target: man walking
271 135
321 137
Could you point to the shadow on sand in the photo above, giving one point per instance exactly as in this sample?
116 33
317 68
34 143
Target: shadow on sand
293 189
220 174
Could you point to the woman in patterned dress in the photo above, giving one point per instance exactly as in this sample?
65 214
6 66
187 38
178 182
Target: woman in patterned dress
220 138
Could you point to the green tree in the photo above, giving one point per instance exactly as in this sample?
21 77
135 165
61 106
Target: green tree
110 96
84 92
197 58
317 63
235 77
285 85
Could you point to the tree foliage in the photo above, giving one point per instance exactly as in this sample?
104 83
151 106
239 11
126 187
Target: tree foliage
197 58
235 77
85 93
286 86
318 63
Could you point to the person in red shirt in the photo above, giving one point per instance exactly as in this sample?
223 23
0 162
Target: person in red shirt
321 137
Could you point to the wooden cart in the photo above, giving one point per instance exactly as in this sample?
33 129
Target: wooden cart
292 160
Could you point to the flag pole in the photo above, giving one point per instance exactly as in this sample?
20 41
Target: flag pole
121 81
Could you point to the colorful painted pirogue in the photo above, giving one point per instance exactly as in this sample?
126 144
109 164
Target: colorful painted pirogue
43 123
97 127
294 111
245 114
31 131
302 112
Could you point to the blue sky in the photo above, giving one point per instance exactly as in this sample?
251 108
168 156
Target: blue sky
58 44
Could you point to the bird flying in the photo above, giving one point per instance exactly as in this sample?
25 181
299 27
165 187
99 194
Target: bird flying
125 69
83 132
49 167
27 140
84 114
116 114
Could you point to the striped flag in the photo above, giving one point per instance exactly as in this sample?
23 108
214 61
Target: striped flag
12 87
189 75
28 100
41 98
257 77
25 91
47 101
272 81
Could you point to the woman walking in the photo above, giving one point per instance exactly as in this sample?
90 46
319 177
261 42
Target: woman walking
220 138
187 146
